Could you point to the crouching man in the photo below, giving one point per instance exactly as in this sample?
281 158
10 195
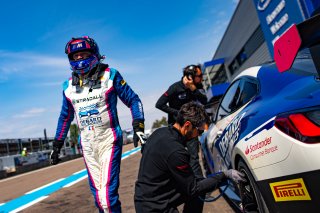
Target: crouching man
165 178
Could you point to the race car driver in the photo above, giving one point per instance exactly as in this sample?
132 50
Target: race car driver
91 95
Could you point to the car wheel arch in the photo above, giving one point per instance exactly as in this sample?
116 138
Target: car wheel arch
256 190
237 156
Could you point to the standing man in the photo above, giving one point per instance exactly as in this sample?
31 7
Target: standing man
165 178
188 89
91 95
24 152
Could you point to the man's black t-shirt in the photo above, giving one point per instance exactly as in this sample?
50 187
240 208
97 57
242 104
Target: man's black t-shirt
177 95
165 178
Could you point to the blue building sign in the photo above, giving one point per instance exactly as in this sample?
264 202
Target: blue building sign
276 16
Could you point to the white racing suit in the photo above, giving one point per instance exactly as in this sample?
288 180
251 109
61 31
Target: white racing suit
101 135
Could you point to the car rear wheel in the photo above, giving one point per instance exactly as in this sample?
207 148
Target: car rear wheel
252 199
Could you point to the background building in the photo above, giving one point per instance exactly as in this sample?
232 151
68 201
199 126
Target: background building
249 38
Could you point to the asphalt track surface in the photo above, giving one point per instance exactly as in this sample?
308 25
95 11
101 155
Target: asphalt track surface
64 188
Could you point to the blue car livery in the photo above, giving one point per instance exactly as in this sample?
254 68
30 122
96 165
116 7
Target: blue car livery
267 126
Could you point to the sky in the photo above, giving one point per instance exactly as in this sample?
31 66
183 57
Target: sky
147 41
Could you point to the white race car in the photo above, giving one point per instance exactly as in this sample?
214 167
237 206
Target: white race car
267 126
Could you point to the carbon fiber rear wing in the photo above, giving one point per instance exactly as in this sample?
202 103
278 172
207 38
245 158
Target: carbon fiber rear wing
297 37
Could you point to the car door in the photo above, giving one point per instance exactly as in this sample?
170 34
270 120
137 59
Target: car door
223 134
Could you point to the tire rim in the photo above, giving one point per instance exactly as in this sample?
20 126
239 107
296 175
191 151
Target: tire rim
249 201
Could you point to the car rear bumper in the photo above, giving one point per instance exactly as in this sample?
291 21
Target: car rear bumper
293 193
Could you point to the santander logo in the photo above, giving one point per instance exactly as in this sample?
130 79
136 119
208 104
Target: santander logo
247 151
258 145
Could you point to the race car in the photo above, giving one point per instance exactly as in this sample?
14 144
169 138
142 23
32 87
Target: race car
267 126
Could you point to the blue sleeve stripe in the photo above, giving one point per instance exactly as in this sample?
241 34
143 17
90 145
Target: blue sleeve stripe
65 118
127 95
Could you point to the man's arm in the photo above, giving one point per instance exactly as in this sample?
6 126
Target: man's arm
199 94
127 96
163 101
131 100
178 164
65 119
64 122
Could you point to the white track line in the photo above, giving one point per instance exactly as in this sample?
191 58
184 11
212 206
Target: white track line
76 181
45 186
44 197
79 171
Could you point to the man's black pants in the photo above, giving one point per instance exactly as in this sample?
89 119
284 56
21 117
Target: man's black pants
194 205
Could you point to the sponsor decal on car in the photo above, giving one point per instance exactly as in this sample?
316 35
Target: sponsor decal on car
261 148
290 190
230 138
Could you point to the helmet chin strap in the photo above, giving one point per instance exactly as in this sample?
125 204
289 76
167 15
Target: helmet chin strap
92 77
75 79
93 74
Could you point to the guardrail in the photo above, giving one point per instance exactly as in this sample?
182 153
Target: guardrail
17 164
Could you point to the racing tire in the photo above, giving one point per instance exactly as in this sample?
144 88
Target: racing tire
252 199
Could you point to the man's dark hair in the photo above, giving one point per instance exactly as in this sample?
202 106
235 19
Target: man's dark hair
191 70
193 112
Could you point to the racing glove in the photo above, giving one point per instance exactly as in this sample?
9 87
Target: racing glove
138 128
234 175
54 155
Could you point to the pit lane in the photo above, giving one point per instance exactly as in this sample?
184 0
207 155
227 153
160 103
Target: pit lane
74 195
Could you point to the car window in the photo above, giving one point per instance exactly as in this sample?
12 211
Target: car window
229 101
250 89
238 94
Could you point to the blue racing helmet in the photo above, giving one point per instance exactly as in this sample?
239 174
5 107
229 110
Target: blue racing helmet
83 44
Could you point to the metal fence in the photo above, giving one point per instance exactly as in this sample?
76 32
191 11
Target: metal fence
15 146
